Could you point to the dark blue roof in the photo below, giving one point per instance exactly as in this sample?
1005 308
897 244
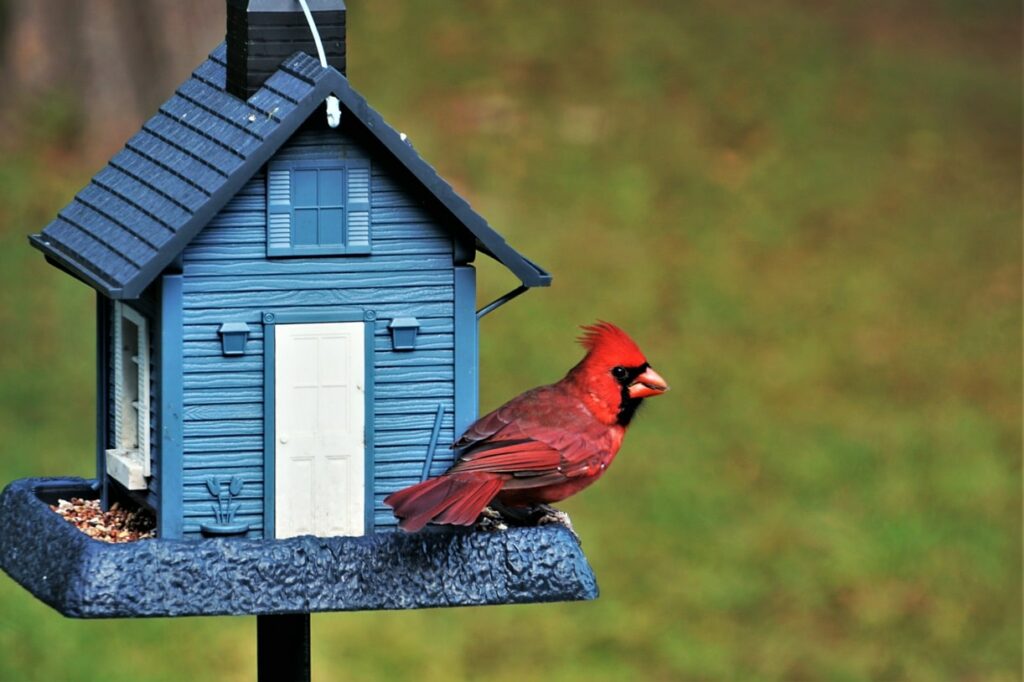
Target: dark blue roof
188 161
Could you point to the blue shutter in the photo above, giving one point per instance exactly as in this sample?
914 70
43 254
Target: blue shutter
279 210
358 208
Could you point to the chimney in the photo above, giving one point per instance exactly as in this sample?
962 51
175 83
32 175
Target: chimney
263 33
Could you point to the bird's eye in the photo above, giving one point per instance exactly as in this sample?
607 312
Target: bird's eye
619 372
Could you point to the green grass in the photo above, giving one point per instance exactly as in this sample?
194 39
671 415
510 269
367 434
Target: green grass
808 214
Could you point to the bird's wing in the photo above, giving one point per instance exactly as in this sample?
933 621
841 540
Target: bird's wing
494 422
543 406
542 433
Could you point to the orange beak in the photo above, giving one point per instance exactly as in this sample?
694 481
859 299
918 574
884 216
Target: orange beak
647 384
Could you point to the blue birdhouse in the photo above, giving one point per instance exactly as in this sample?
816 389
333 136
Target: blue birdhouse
287 333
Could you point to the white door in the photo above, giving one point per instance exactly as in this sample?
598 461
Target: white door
319 430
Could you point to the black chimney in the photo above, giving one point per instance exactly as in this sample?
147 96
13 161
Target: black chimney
263 33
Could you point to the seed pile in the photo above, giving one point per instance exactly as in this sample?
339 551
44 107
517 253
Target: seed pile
116 525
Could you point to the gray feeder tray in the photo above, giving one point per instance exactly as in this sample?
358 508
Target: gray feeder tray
84 578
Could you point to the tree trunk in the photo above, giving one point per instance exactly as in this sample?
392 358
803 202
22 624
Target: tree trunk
112 61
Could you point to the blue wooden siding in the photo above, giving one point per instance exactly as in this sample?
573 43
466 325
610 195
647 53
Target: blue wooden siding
227 277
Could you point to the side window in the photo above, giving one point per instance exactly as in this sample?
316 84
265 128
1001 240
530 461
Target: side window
318 207
129 459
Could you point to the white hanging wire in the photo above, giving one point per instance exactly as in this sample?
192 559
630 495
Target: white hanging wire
333 105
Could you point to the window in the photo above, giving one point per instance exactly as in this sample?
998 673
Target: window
128 460
318 207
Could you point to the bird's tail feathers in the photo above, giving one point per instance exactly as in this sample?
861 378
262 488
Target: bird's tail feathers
455 499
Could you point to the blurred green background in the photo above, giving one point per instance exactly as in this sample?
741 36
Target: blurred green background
809 216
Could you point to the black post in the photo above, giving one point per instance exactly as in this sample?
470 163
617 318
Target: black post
282 648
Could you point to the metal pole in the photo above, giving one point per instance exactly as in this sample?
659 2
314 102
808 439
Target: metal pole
282 648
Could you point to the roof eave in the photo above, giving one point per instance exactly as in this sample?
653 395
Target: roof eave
57 259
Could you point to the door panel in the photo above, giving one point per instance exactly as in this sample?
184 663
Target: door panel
320 428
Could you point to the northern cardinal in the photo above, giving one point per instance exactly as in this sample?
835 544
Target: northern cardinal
544 445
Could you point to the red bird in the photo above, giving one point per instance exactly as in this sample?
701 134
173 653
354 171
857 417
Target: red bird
544 445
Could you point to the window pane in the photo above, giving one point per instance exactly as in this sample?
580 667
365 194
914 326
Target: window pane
304 182
332 226
332 187
304 232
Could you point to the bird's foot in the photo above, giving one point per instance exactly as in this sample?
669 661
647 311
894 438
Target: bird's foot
498 516
548 515
491 520
491 513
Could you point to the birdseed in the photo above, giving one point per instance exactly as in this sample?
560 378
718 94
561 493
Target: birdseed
115 525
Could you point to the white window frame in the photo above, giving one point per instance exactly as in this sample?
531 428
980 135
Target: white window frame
129 463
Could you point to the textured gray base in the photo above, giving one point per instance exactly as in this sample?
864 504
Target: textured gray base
84 578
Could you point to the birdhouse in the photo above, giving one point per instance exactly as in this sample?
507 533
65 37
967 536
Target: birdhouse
287 333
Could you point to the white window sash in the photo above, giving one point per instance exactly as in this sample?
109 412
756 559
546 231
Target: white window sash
141 404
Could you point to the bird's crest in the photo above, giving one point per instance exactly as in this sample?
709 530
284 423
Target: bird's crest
604 338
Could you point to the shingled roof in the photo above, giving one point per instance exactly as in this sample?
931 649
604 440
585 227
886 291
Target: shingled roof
188 161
